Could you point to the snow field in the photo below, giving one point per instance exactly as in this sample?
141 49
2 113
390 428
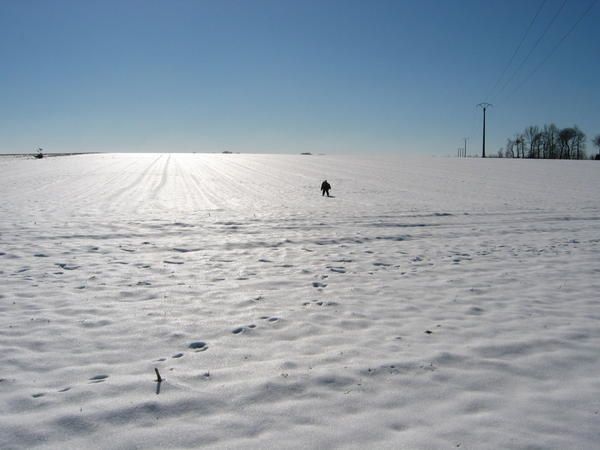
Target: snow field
433 303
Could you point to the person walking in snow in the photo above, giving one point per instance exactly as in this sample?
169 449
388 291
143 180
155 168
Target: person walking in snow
325 186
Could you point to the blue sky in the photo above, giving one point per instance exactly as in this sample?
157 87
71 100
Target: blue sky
290 76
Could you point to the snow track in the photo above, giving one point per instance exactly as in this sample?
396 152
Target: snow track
433 303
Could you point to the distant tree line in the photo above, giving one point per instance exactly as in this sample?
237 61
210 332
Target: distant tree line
549 142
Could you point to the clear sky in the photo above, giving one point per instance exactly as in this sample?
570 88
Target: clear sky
291 76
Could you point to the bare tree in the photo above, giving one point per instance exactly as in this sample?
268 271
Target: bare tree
579 143
549 142
565 138
539 140
509 152
520 145
596 142
551 138
530 136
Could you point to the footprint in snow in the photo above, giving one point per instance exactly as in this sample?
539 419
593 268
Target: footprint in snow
319 303
269 318
66 266
199 346
240 330
475 311
183 250
98 378
318 284
175 356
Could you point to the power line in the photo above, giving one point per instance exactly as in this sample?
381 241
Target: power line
518 47
534 47
549 55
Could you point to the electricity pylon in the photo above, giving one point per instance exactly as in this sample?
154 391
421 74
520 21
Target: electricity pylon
484 106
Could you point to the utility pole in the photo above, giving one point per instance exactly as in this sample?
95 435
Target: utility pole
465 139
484 106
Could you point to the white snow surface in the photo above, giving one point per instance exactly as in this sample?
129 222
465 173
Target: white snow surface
433 303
